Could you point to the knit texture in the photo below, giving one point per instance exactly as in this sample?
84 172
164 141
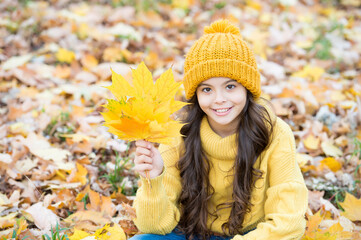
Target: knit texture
221 52
279 199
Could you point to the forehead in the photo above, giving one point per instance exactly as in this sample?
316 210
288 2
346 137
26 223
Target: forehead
217 81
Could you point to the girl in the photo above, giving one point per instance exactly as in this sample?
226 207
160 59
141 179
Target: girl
233 173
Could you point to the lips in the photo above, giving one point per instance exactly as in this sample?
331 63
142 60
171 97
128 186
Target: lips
222 111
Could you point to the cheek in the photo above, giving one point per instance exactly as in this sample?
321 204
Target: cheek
203 102
242 104
241 99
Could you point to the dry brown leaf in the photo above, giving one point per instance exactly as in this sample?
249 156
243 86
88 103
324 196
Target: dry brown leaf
314 200
36 87
107 206
86 77
8 220
87 220
62 71
88 61
112 54
79 174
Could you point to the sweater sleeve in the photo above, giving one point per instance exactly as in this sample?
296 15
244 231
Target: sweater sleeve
287 195
156 204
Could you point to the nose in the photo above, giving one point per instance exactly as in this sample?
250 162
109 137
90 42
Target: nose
220 98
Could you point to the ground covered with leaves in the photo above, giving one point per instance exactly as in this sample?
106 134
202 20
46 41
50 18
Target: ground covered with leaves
63 175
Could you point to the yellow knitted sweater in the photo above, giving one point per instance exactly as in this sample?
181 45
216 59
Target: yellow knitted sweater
279 199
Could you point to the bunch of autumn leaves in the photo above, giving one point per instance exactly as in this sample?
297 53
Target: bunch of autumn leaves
144 110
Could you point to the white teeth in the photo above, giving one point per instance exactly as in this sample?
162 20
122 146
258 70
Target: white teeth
222 110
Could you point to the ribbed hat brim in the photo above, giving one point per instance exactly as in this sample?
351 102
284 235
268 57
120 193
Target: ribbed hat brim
231 68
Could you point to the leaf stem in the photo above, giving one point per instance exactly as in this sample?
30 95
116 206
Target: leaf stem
147 173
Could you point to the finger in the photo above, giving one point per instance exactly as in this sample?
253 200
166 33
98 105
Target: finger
143 151
153 150
142 143
143 167
143 159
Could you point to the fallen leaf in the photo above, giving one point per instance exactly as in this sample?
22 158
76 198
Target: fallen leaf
78 235
24 166
8 220
314 200
6 159
112 54
331 150
79 174
312 223
330 163
59 156
314 73
185 4
107 206
107 232
62 71
352 207
94 198
85 77
311 142
87 220
43 218
88 61
64 55
303 159
16 61
337 96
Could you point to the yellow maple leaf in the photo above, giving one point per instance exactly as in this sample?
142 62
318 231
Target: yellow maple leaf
79 235
315 231
184 4
311 142
352 207
143 110
314 73
78 174
254 5
313 223
82 31
107 232
330 163
64 55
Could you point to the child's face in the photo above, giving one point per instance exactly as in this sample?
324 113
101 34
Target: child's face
222 99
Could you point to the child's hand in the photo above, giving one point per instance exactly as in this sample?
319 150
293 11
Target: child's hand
147 158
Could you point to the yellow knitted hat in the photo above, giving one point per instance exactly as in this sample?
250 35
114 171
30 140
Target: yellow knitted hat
221 52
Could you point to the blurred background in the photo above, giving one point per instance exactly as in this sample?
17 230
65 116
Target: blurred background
58 164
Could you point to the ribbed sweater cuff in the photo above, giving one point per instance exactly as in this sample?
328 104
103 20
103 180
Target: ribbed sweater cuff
155 185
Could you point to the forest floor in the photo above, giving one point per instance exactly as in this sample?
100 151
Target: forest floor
59 166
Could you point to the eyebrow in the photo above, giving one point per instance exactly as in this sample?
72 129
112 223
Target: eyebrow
205 84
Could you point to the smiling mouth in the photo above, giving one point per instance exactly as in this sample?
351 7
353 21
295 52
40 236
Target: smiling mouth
222 110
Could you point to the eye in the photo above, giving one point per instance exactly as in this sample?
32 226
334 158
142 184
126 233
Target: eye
230 86
206 89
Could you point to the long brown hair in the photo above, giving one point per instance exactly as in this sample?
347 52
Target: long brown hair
256 126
